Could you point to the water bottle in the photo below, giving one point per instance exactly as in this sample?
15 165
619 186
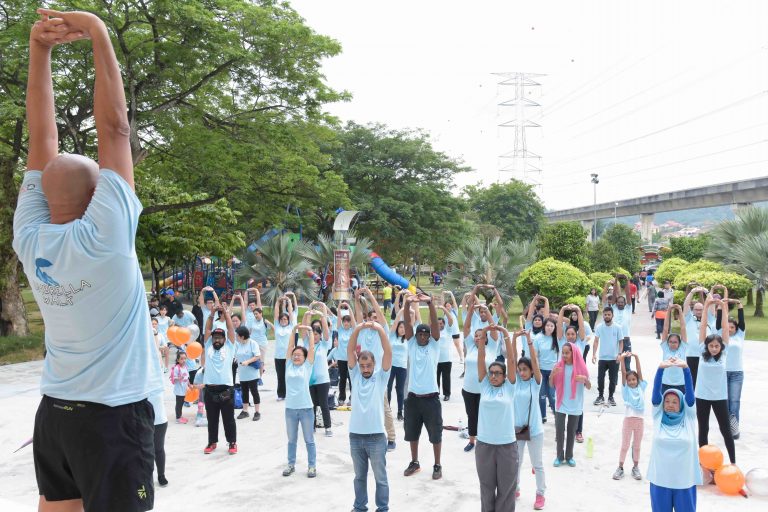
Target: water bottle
590 447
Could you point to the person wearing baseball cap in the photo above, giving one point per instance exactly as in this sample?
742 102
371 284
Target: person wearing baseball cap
219 394
422 406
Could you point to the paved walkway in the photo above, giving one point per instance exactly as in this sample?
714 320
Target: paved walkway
251 479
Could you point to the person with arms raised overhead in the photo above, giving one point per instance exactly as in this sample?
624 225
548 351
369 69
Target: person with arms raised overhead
74 232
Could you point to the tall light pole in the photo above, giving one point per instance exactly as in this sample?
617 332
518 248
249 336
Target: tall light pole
595 181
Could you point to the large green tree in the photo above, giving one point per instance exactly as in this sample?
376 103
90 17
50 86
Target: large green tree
689 248
565 241
512 207
626 242
225 100
402 186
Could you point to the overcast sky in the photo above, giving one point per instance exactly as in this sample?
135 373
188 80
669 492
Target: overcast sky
653 96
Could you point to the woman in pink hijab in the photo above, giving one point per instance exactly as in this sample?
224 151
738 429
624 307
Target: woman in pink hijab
569 377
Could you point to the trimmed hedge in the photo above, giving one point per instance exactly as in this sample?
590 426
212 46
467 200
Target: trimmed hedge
556 280
669 269
599 279
738 285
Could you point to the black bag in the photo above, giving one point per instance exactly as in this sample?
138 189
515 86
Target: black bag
524 433
221 396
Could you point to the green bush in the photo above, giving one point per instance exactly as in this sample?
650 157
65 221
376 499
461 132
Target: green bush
598 280
553 279
579 300
669 269
704 265
738 285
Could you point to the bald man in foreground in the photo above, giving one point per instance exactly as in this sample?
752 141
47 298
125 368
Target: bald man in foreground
74 232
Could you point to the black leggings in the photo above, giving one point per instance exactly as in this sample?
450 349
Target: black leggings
253 387
160 431
397 376
592 319
319 394
721 413
280 370
472 407
444 371
179 405
693 364
343 379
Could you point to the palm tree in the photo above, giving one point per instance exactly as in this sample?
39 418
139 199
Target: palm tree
489 262
742 246
320 255
284 266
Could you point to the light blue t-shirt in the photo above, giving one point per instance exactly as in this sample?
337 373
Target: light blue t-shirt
163 322
734 362
571 406
634 398
368 397
320 370
187 319
711 380
218 364
180 383
580 343
446 343
673 376
675 452
344 335
258 328
496 419
547 355
471 379
244 352
422 368
84 267
297 385
156 400
610 336
692 328
623 318
368 339
524 391
399 351
282 335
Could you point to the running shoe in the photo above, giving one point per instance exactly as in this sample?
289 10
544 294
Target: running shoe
636 474
599 400
469 447
328 433
209 449
517 494
412 468
400 416
311 472
232 448
446 398
256 416
161 480
579 437
611 401
242 415
557 462
280 398
259 382
619 473
539 503
289 469
391 445
182 420
437 472
572 463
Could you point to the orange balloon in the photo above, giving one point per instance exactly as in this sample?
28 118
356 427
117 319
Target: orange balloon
173 335
183 335
194 350
192 394
711 457
729 479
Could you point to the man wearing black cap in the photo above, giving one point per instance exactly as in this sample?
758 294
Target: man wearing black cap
422 406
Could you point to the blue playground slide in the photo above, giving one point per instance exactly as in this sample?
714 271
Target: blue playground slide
388 274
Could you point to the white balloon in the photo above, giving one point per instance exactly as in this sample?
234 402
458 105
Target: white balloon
195 330
757 481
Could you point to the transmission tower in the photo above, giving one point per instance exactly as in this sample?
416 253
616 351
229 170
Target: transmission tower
525 165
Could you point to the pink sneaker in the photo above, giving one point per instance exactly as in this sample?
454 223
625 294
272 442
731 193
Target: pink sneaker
182 420
539 503
517 495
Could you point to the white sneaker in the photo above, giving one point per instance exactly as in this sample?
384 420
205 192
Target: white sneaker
328 433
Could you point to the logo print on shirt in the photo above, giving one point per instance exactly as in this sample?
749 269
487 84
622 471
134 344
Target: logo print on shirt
41 263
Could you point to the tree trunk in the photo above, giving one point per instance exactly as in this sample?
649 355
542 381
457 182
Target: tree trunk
13 314
759 303
750 301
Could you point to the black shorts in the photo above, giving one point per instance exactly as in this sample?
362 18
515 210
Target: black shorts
423 411
100 454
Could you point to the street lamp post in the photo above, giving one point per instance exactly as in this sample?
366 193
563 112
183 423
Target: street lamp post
595 181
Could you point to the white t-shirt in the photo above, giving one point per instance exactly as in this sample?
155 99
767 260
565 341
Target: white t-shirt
87 282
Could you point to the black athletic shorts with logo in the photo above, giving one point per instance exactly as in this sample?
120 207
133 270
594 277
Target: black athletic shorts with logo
100 454
426 411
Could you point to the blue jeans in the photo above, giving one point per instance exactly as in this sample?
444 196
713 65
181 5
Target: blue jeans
735 382
373 448
307 419
546 391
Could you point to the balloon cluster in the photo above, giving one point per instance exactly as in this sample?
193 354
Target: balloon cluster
728 477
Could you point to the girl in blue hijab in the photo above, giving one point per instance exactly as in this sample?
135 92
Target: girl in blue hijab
674 470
